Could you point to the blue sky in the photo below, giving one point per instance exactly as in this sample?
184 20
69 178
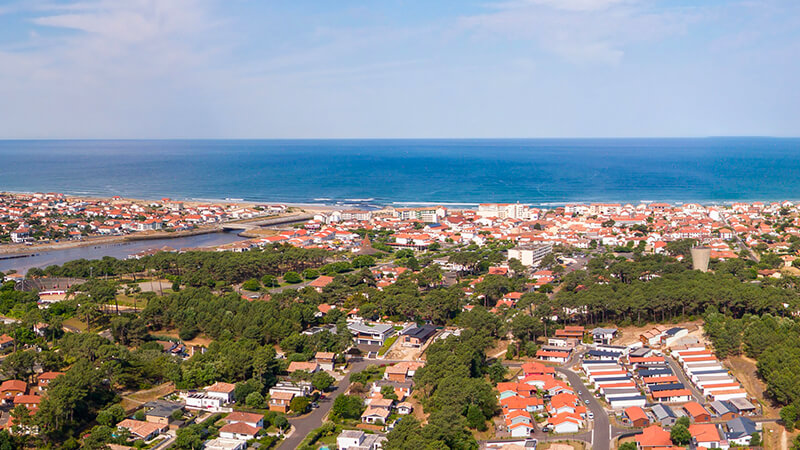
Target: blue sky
398 68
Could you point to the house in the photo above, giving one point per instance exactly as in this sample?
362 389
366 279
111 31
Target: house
239 431
252 419
321 282
565 422
44 379
196 400
637 416
374 334
358 440
664 415
740 430
281 395
325 360
160 412
603 335
653 437
697 412
222 391
6 341
29 401
405 408
742 406
12 388
520 429
723 409
141 429
375 415
310 367
707 435
280 401
416 337
672 396
552 356
225 444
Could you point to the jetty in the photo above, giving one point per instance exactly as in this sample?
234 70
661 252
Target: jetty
261 223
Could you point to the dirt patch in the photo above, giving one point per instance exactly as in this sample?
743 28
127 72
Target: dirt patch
133 400
745 371
200 339
418 413
398 352
499 349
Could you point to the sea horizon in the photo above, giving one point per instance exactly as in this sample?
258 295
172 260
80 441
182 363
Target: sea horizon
545 172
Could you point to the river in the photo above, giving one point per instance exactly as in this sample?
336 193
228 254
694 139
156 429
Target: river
117 250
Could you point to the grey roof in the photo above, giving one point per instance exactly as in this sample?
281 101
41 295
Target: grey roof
604 331
603 353
740 427
624 399
665 387
652 372
721 407
662 411
162 408
378 328
742 404
423 332
639 352
353 434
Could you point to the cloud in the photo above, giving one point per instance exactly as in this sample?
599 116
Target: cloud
579 31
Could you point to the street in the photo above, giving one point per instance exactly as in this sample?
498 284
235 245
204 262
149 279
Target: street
307 423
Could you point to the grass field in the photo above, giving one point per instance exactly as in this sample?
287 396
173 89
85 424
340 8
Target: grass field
386 345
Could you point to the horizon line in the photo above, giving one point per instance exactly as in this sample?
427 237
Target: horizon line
400 138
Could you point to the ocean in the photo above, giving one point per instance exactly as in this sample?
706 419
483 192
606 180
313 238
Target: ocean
403 172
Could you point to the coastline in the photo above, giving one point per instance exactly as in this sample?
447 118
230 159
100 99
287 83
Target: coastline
21 250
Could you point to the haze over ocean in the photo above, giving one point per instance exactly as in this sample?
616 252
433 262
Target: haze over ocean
537 171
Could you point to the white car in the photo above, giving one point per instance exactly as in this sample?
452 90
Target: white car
591 415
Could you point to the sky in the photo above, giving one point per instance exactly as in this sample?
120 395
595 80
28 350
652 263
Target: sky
139 69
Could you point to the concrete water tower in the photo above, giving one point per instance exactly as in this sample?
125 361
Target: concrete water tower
700 257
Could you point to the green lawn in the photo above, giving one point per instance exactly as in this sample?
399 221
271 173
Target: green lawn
385 347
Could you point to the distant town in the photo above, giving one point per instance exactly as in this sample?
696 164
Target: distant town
650 326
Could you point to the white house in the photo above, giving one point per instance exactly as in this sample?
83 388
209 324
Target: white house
239 431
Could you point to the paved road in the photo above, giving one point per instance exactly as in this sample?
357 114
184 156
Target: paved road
676 369
742 245
305 424
601 434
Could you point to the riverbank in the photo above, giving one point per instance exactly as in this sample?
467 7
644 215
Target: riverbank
11 250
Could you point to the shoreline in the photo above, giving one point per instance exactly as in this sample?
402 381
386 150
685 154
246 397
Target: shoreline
9 251
331 204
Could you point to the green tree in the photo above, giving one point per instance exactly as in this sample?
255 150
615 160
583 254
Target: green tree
322 381
475 418
255 400
348 407
251 285
269 280
680 434
299 404
292 277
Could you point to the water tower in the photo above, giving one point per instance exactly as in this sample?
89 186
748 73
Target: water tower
700 257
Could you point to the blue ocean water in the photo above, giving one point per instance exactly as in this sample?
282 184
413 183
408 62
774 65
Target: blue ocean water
537 171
